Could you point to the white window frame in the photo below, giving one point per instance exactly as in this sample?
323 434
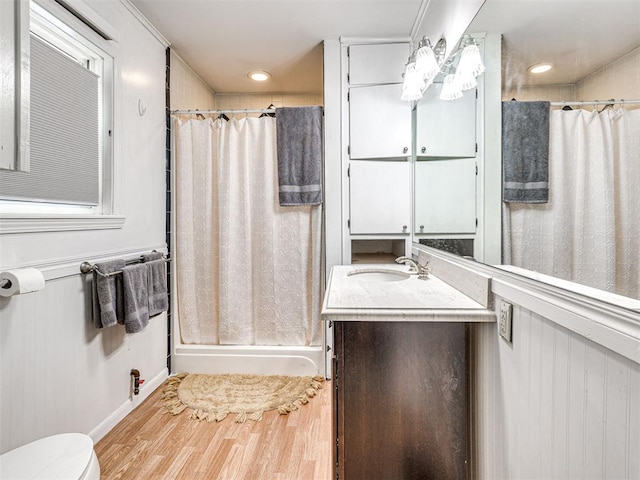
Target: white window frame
81 41
14 48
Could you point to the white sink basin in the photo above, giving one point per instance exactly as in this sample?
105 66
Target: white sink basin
379 275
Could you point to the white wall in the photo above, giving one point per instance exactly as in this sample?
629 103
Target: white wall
57 372
255 101
553 405
619 79
188 90
551 93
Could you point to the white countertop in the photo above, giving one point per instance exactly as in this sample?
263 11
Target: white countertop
357 297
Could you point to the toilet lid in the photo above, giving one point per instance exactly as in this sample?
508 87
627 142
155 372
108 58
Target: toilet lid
62 456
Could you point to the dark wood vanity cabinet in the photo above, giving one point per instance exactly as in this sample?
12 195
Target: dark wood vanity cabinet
401 400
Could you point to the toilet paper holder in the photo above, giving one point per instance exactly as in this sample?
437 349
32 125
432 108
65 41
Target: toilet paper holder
20 280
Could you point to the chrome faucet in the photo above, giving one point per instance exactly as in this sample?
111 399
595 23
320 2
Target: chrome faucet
414 266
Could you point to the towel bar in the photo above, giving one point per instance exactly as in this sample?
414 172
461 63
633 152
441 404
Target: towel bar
87 267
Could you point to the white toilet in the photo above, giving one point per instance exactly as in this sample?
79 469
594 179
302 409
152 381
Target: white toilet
68 456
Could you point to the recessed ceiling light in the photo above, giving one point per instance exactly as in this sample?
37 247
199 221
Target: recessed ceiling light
540 68
259 76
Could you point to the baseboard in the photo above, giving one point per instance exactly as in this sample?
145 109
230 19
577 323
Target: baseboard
127 407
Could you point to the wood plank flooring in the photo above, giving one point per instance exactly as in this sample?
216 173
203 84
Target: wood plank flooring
149 445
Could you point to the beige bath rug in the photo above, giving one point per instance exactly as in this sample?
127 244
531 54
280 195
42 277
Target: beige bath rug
213 397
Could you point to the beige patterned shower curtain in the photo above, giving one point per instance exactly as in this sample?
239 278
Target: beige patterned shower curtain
248 270
589 232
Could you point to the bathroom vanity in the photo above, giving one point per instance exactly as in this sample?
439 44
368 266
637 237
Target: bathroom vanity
400 373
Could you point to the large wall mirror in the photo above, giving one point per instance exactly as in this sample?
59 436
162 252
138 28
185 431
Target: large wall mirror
588 229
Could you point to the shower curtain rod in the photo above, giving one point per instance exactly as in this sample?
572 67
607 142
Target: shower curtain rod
613 101
213 112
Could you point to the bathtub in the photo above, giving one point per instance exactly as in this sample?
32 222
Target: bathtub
259 360
215 359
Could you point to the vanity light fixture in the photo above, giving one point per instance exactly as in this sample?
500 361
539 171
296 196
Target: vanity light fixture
540 68
259 75
423 65
469 66
426 62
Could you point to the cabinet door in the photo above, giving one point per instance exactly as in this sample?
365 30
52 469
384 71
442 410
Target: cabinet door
379 122
446 128
402 400
380 197
377 63
445 192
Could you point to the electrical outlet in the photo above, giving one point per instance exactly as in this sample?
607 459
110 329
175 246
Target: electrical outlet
505 325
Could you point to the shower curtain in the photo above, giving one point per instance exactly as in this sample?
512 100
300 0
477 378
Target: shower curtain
248 270
589 232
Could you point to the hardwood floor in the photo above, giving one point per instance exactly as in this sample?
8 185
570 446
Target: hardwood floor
149 444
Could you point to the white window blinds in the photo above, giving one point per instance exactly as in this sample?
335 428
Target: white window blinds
64 136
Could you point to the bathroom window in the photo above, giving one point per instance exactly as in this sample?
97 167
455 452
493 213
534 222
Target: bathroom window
70 107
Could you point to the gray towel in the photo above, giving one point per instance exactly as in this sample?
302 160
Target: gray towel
299 138
156 283
108 307
525 152
136 297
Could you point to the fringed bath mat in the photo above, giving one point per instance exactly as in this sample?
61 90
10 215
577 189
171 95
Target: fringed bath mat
213 397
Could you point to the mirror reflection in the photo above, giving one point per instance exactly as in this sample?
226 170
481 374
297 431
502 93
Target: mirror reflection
445 171
571 166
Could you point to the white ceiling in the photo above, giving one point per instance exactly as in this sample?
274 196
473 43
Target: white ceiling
222 40
579 37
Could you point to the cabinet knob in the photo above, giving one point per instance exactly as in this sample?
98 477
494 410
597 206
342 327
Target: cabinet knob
423 149
404 228
421 227
405 149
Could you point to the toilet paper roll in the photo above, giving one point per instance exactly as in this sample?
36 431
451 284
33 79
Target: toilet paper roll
20 280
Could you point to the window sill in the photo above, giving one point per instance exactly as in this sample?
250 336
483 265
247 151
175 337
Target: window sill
35 223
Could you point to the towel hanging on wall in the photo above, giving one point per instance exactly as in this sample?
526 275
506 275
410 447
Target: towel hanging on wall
128 296
299 146
156 283
525 152
107 294
136 297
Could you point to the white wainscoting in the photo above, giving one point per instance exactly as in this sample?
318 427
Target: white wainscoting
58 373
553 404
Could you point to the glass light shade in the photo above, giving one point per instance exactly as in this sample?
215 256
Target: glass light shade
450 89
426 62
410 96
465 79
471 61
413 83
